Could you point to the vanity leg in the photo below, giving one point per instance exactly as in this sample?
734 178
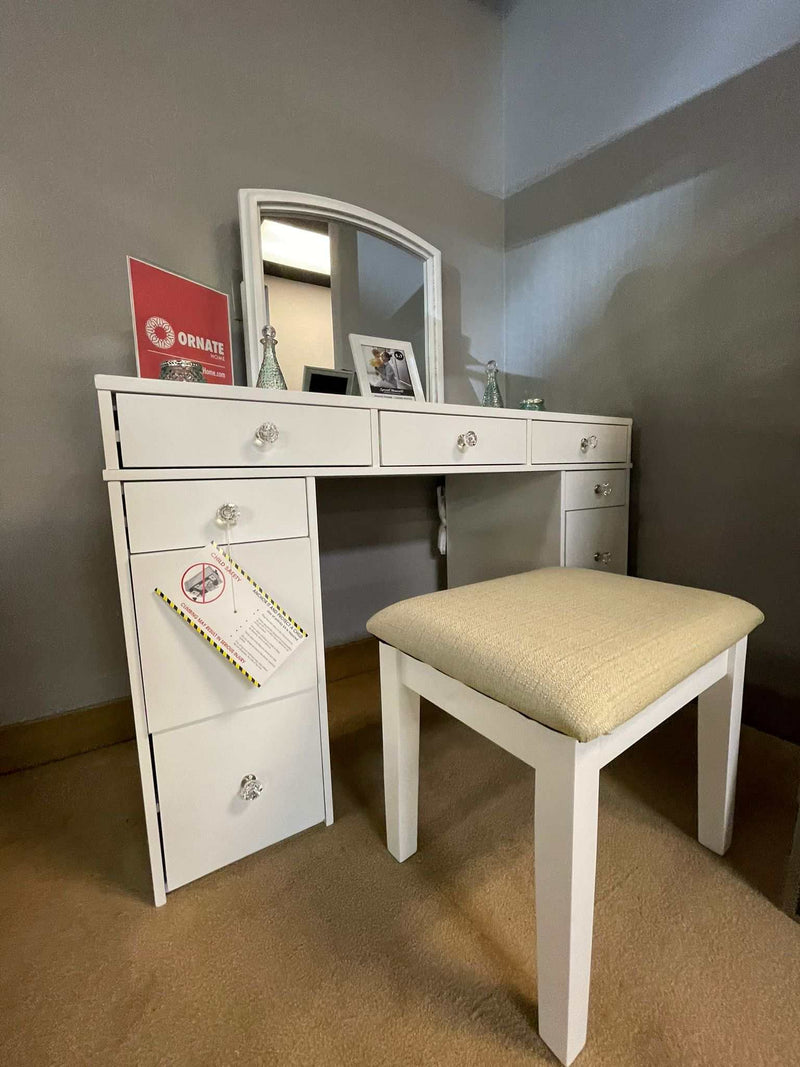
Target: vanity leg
322 692
137 693
400 716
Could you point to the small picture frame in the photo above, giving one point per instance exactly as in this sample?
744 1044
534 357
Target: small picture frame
328 380
386 368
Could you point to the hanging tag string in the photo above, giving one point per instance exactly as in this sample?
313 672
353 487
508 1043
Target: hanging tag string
228 546
227 516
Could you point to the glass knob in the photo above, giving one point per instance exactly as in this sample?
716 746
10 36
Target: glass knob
602 557
228 514
588 442
467 440
603 489
250 788
266 434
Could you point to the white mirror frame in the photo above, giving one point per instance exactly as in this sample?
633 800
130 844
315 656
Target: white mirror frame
251 204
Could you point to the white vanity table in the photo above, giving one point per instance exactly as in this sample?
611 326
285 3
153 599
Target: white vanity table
524 489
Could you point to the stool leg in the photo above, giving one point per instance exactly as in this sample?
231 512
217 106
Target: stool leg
400 714
566 848
719 716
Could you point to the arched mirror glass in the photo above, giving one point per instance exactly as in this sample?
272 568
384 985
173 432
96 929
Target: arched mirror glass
319 271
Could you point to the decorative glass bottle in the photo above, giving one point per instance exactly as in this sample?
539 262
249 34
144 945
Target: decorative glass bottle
270 376
491 394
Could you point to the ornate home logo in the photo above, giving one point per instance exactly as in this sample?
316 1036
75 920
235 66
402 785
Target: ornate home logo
159 332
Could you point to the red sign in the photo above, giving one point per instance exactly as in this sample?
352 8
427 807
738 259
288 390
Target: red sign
175 318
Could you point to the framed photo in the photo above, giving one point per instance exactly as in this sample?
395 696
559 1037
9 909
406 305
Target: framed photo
328 380
386 368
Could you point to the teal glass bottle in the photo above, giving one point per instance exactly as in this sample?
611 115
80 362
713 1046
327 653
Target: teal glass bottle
270 375
491 394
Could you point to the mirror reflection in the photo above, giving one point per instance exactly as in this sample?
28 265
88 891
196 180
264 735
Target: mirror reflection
325 280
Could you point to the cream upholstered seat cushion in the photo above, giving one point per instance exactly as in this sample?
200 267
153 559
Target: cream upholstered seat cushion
581 651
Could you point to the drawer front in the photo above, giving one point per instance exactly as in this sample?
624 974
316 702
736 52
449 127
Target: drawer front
602 533
199 770
578 442
184 678
166 515
176 431
595 489
420 440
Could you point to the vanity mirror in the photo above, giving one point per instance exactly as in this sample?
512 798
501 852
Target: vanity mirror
319 270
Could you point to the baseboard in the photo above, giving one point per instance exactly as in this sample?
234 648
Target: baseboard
29 744
357 657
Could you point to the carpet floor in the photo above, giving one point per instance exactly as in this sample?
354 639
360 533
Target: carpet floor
324 950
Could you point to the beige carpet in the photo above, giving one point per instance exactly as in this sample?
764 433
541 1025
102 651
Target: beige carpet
323 950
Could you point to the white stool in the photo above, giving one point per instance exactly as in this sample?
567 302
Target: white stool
565 669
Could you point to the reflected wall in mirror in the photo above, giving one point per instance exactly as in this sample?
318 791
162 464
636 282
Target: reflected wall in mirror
318 270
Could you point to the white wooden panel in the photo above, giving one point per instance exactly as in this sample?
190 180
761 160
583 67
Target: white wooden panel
167 515
416 440
595 489
561 442
137 694
172 431
184 678
600 530
199 769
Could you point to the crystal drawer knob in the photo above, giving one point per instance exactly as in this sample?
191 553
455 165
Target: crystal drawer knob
603 489
602 557
466 440
250 788
228 514
588 442
266 434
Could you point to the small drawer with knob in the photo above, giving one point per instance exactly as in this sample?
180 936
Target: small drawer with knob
186 681
187 514
578 442
597 539
177 431
234 784
595 489
411 439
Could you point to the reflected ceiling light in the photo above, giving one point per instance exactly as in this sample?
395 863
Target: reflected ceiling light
292 246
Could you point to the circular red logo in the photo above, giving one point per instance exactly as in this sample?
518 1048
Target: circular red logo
203 583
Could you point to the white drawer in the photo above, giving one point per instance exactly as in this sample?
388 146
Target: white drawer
578 442
199 770
409 439
595 489
163 515
177 431
598 539
184 678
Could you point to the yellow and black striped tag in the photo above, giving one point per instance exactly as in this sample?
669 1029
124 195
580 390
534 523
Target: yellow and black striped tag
263 592
210 640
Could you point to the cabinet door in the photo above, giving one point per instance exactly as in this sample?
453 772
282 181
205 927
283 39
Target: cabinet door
201 768
598 539
184 678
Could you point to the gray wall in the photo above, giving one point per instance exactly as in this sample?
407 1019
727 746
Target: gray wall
653 270
127 129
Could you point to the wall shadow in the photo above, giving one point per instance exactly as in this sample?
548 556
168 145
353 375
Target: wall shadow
672 256
725 124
